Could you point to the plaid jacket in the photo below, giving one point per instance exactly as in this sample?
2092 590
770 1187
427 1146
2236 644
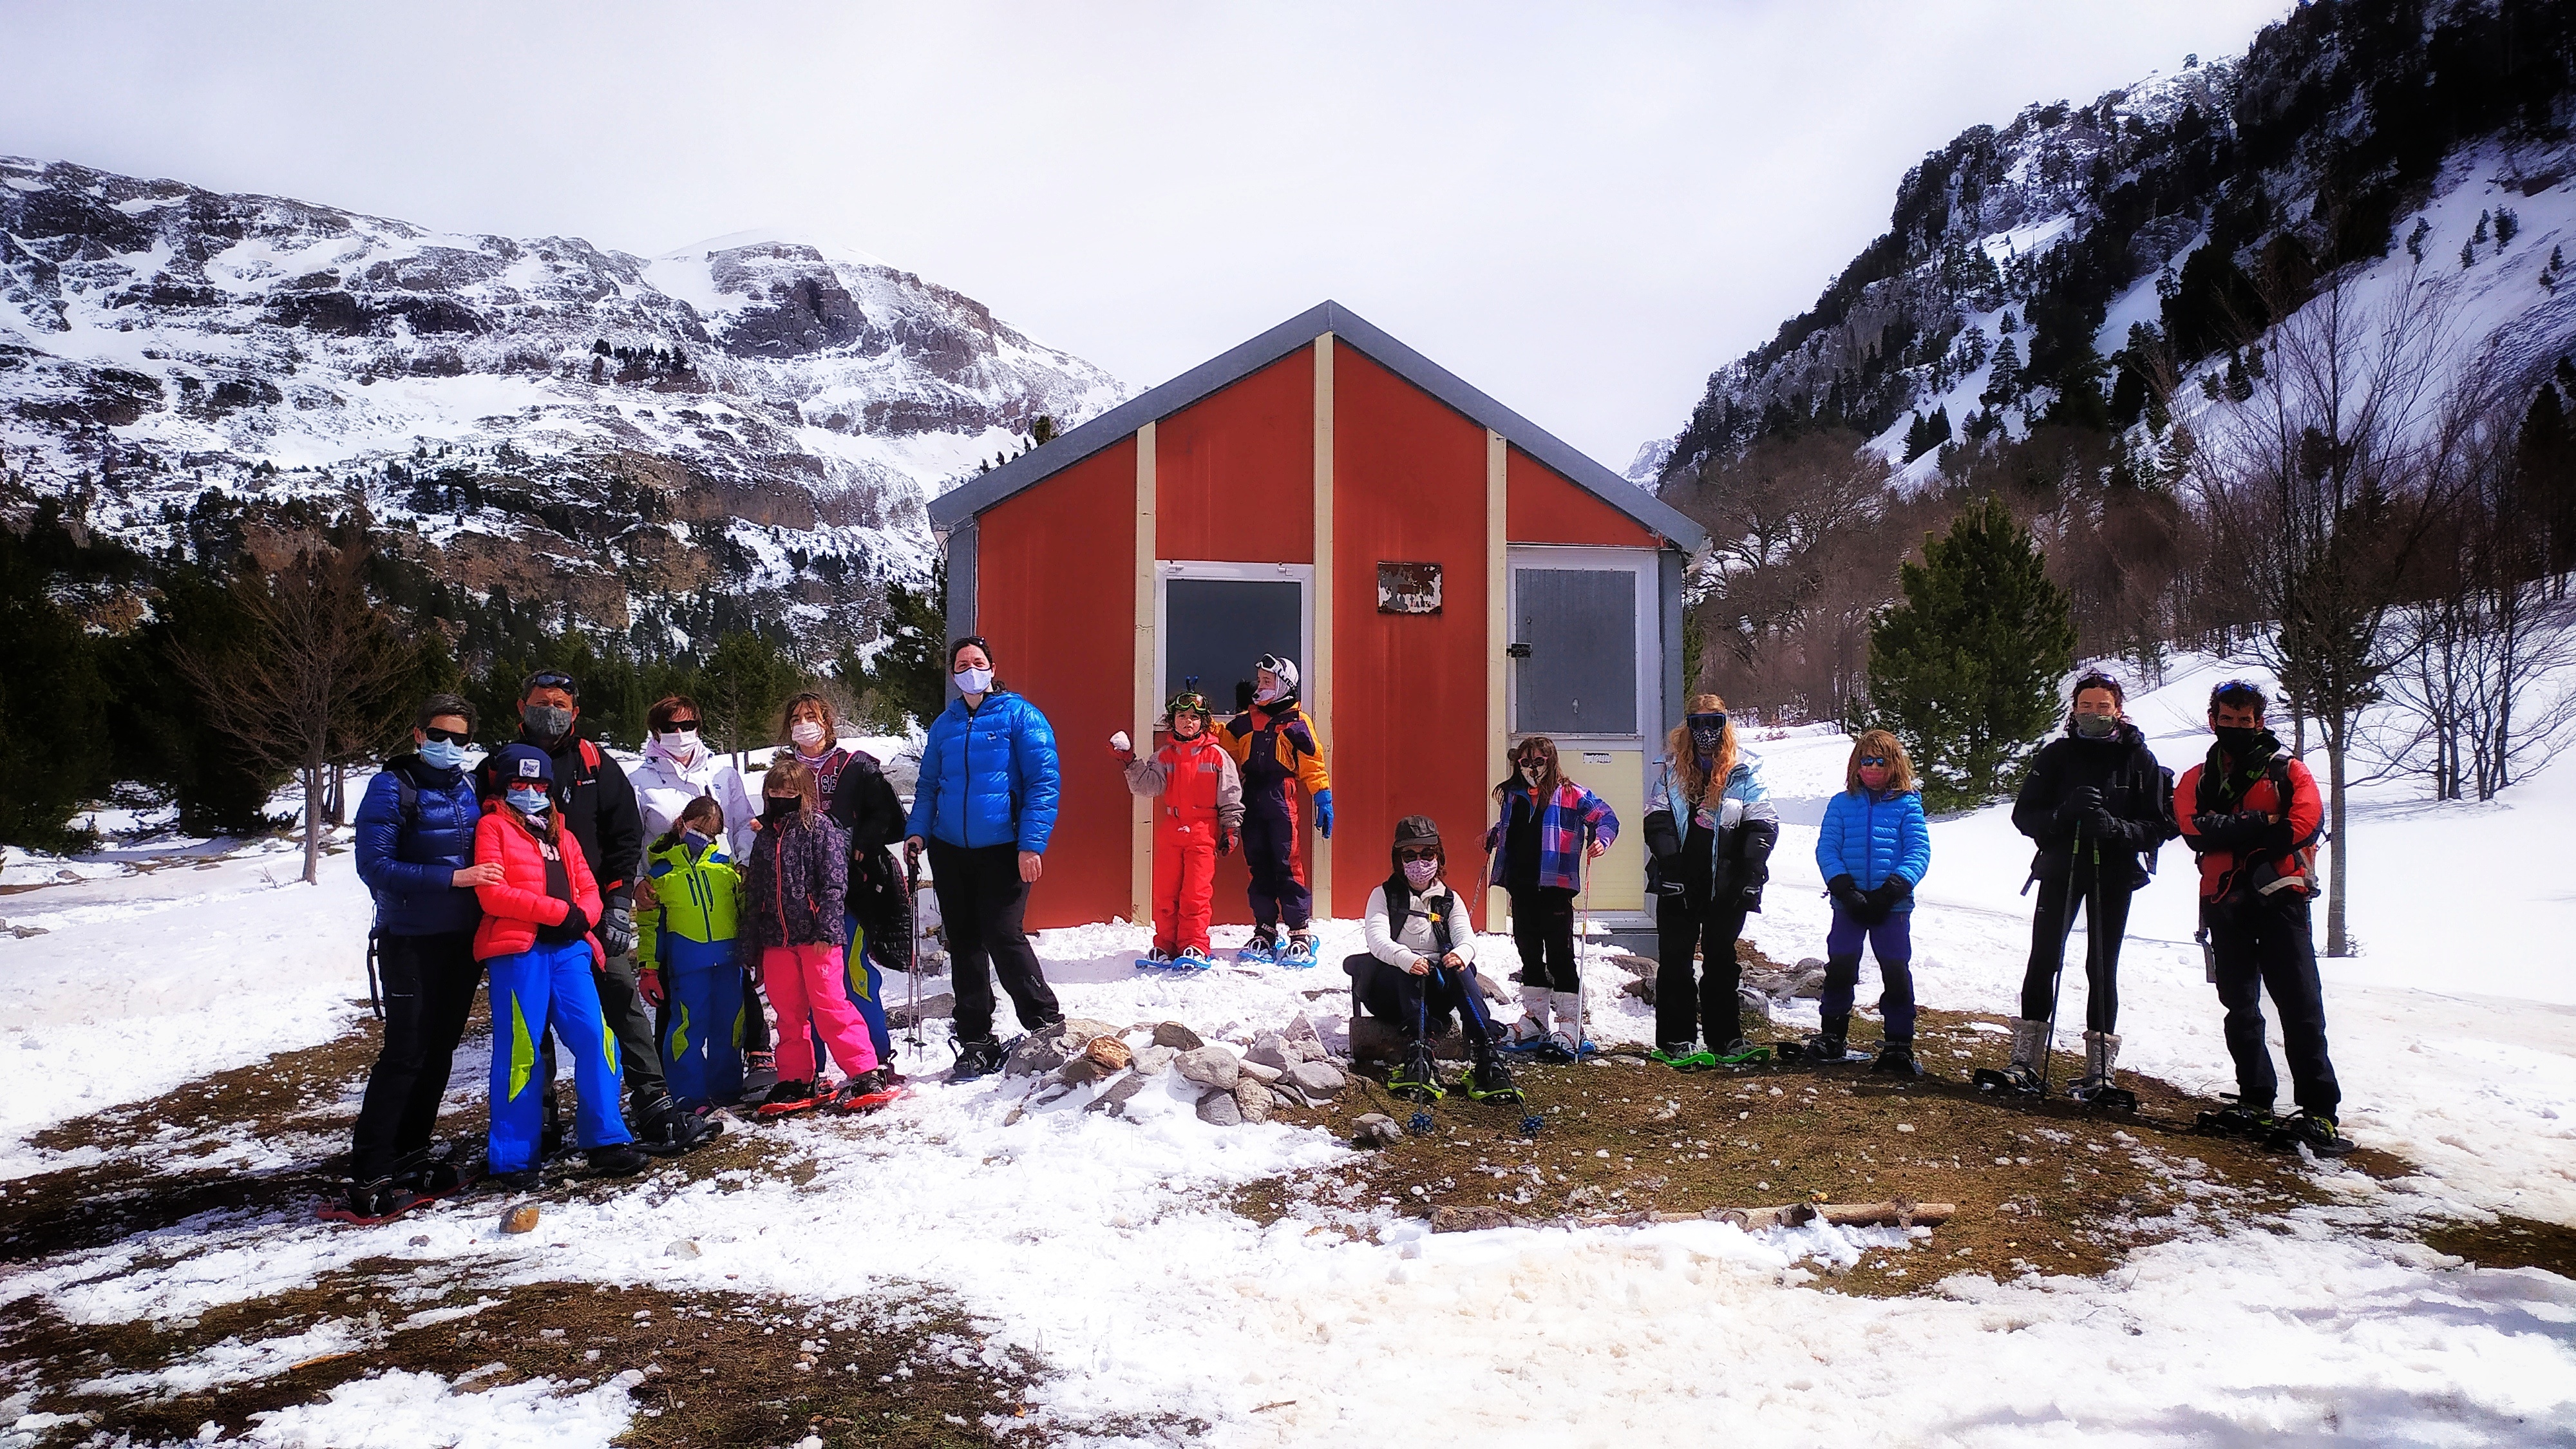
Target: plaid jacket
1569 814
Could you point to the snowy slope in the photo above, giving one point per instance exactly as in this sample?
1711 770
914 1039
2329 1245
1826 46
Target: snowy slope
1103 1247
691 417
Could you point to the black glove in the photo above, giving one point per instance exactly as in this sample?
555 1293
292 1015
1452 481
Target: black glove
1225 842
2101 825
617 927
572 927
1756 875
1846 893
2228 831
1886 897
2079 803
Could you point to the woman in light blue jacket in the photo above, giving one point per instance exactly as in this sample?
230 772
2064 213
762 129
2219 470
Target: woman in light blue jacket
984 807
1710 827
1873 849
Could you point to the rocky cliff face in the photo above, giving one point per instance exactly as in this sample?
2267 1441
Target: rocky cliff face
755 416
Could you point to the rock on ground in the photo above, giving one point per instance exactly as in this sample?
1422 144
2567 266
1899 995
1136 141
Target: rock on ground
1213 1065
1218 1109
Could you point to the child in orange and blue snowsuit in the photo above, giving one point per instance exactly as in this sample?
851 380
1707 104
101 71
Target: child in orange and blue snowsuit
1274 740
1199 808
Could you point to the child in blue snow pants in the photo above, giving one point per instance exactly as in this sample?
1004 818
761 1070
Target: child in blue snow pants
549 984
703 1029
1892 943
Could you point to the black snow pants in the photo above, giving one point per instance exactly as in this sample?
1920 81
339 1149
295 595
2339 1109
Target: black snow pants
2267 943
428 985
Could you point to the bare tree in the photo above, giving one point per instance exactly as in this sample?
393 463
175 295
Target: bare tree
2322 490
312 684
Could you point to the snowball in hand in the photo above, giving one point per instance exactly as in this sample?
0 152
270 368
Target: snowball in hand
1119 742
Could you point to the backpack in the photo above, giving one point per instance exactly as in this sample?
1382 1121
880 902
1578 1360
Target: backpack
2303 849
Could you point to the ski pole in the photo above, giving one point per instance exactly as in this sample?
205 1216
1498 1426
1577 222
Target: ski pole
1583 868
375 1001
2057 981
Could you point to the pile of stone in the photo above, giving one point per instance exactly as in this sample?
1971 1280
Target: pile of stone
1762 985
1289 1067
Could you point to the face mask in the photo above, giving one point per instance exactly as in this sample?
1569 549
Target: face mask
2238 740
1708 741
528 800
681 743
1533 774
443 755
547 722
2097 726
778 807
695 840
1420 873
974 681
1270 694
807 734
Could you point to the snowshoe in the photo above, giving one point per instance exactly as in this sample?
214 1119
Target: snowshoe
789 1098
2312 1131
1490 1081
367 1204
1823 1049
759 1074
1738 1053
1193 961
1527 1038
664 1128
976 1059
2103 1095
1299 953
436 1172
1896 1059
622 1159
867 1092
2099 1086
1261 950
1154 959
2239 1120
1561 1050
2015 1080
1682 1058
1418 1079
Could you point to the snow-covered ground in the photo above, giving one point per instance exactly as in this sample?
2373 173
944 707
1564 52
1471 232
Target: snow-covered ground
1104 1249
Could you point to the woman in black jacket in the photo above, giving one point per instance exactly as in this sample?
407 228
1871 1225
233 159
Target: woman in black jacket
2095 804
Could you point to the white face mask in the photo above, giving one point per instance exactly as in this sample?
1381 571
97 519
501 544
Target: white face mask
682 743
1420 873
807 734
974 681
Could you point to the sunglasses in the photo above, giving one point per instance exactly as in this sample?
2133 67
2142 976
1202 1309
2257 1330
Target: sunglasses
1414 853
677 725
453 737
1879 760
550 680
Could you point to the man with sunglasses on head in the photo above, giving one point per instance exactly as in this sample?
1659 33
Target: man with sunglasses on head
416 853
2252 814
596 803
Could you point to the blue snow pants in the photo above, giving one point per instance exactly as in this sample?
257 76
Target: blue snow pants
703 1019
549 985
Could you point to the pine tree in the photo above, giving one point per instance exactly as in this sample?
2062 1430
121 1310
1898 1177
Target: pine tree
2506 225
2415 238
908 675
1965 671
741 687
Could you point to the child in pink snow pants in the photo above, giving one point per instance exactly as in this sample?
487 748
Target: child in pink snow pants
793 889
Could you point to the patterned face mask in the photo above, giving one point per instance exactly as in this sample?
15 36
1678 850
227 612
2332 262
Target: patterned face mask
2097 726
1420 873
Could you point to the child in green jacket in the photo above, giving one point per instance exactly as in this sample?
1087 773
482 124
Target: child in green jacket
686 957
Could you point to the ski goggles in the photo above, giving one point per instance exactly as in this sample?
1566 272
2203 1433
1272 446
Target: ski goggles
1706 723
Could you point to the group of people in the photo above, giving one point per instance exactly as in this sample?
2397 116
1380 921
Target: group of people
655 924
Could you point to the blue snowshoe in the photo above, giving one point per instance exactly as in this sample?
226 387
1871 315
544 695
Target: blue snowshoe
1299 954
1261 950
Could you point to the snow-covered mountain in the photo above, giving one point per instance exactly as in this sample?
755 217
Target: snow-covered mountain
2046 270
756 417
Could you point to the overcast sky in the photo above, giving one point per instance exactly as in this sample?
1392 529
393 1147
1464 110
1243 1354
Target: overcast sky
1580 208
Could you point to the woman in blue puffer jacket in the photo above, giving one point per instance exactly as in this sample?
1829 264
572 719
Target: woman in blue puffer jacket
984 807
416 853
1873 850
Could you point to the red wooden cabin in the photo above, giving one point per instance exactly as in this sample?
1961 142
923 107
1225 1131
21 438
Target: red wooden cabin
1476 579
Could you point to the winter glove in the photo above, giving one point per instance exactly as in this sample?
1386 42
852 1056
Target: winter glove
1756 875
2079 803
1846 894
572 927
648 984
617 927
1324 813
1225 842
2227 831
1889 893
2102 825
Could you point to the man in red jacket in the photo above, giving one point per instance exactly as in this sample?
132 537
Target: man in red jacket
2253 816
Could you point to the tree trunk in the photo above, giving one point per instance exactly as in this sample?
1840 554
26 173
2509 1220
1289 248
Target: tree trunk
2336 944
336 799
312 773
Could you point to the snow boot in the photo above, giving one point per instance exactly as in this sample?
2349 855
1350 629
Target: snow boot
2021 1074
1538 1010
1896 1059
1831 1041
1738 1053
2239 1119
369 1203
2314 1131
1490 1081
868 1091
1300 952
1194 959
664 1128
1418 1080
975 1059
1682 1057
2099 1086
1154 959
1261 950
622 1159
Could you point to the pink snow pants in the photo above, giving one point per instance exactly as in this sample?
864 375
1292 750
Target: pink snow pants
803 981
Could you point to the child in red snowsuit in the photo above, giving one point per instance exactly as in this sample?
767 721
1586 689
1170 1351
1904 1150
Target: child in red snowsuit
1199 810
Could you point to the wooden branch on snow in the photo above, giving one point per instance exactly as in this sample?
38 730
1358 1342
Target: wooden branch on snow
1901 1213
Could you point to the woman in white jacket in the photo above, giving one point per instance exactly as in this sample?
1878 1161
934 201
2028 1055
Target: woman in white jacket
1421 965
678 768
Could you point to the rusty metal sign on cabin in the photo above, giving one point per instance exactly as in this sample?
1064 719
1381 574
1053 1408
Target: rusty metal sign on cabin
1408 588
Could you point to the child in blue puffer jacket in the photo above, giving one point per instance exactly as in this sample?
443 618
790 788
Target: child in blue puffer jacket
1873 850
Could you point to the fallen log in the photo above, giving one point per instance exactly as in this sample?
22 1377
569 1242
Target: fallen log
1900 1213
